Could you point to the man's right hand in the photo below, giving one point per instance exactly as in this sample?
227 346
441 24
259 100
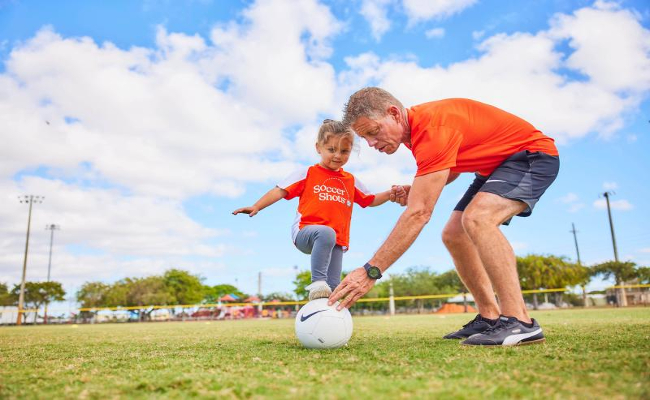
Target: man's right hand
400 194
251 211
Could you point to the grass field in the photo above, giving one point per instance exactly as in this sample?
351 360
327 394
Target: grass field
601 353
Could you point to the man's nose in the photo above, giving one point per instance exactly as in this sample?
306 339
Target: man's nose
371 141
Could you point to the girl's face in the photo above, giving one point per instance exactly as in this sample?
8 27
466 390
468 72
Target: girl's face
335 152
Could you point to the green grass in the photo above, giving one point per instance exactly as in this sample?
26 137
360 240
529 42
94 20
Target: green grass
601 353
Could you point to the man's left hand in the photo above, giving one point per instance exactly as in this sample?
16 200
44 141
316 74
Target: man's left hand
354 286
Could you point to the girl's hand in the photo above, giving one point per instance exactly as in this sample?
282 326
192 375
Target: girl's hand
251 211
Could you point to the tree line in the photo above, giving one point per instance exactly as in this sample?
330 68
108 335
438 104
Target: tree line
177 287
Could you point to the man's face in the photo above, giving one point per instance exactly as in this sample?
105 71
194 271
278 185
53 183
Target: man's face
384 134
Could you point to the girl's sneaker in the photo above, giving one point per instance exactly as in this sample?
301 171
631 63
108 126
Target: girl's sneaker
318 290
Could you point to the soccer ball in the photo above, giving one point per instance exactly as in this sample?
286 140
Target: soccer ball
319 326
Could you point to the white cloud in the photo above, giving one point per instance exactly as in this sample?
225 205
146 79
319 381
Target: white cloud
510 67
423 10
477 35
104 234
610 185
626 44
572 200
569 198
376 13
621 205
435 33
644 250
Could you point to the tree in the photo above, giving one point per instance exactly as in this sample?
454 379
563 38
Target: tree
281 296
149 291
92 294
620 271
303 279
117 294
183 287
39 293
643 274
212 294
5 296
450 282
549 272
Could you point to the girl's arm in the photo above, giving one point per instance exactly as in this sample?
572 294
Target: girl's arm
380 198
269 198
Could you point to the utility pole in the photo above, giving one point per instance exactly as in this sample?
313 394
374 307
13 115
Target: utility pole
51 228
575 240
622 295
611 224
30 199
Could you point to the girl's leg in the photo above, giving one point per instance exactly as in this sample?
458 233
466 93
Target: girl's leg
336 265
317 240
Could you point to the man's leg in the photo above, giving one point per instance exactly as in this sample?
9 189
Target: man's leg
481 220
469 266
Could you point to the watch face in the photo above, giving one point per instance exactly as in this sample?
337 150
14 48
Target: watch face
374 272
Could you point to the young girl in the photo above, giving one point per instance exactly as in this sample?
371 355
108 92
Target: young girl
322 224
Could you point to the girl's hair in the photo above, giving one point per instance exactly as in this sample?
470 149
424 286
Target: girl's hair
330 128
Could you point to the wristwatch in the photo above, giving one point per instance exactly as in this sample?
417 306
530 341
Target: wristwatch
372 271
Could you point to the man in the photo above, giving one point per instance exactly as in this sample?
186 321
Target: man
514 164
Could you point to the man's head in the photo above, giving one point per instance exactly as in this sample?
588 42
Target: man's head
378 117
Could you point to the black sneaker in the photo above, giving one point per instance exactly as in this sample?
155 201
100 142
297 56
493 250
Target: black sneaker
508 331
477 325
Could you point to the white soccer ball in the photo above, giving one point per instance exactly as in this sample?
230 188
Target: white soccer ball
319 326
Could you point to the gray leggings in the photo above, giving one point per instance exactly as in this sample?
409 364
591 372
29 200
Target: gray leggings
326 255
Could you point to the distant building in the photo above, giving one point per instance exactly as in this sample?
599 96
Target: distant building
634 296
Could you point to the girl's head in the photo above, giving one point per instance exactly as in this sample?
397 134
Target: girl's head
334 144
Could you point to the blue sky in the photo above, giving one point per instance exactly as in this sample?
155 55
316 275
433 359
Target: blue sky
146 123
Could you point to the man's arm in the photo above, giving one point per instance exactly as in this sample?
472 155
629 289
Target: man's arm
423 196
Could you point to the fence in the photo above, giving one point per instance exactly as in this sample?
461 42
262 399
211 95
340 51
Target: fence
272 309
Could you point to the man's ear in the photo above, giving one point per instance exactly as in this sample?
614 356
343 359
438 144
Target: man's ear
395 112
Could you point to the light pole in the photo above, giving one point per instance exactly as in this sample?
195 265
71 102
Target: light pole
31 199
51 228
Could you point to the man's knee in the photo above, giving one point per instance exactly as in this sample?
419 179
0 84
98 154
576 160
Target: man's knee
475 220
453 234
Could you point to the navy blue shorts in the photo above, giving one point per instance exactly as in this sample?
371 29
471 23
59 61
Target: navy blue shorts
524 176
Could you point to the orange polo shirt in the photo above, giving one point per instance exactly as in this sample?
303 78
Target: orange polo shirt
326 198
469 136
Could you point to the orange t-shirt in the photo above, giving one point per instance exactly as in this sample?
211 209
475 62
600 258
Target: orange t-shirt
326 198
469 136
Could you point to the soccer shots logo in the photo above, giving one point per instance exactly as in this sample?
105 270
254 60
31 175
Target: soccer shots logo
326 192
